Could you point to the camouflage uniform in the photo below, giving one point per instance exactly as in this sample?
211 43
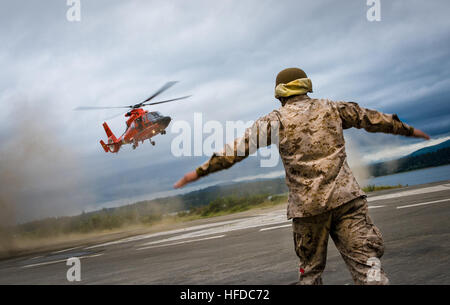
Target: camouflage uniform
324 196
353 233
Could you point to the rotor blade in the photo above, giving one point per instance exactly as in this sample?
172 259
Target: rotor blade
114 116
161 90
97 108
166 101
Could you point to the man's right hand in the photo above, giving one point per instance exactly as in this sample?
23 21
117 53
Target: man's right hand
420 134
188 178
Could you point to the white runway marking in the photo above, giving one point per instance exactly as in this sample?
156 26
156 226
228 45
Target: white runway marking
59 261
65 250
276 227
146 236
422 203
376 206
181 242
437 188
271 218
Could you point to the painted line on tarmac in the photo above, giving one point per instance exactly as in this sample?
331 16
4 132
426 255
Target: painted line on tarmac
151 235
422 203
59 261
246 223
288 225
65 250
182 242
431 189
276 227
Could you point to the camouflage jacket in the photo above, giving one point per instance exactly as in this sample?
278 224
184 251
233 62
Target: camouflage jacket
312 148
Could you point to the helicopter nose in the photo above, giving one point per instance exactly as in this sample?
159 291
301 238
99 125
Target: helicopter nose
165 121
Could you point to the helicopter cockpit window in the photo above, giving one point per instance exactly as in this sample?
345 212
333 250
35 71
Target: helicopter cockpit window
152 116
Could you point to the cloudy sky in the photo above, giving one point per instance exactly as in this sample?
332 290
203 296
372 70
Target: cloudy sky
226 54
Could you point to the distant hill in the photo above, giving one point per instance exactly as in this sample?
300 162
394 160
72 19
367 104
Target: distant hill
430 149
426 157
206 195
152 211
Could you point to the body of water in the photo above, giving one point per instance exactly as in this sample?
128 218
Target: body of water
427 175
420 176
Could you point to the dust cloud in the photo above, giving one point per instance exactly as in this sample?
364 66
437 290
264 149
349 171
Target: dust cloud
355 161
39 176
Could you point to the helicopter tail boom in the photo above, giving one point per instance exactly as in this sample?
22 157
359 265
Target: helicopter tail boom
109 133
113 144
105 148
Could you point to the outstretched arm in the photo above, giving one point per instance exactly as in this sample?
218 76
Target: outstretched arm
353 115
187 178
258 135
420 134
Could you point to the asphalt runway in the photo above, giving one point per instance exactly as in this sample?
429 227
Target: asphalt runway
257 249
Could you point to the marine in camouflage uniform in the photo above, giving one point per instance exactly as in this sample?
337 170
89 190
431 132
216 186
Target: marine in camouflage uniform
324 197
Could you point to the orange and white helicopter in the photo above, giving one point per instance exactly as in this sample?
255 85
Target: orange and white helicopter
141 124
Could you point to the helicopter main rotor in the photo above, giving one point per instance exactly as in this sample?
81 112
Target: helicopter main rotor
141 104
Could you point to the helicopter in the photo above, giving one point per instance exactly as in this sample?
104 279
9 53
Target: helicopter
141 124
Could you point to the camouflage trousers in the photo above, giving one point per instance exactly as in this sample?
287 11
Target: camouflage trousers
356 237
